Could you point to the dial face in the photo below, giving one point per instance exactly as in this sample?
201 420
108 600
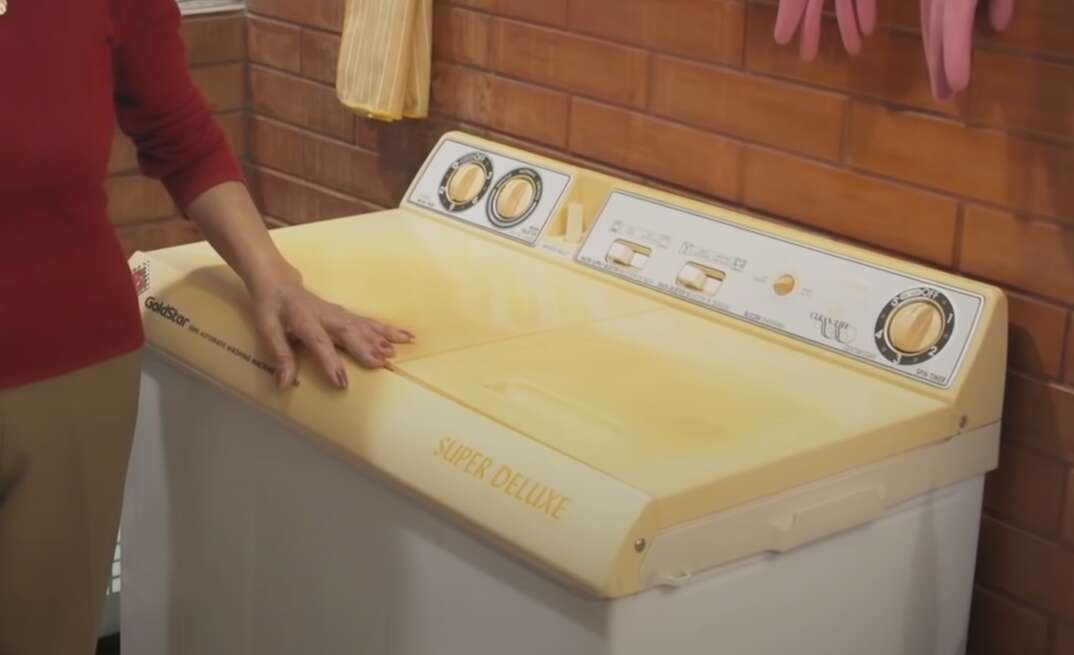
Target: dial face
514 197
465 182
914 326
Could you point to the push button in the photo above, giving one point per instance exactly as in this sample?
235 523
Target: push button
626 253
700 278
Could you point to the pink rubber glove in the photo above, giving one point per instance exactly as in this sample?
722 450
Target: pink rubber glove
856 17
947 31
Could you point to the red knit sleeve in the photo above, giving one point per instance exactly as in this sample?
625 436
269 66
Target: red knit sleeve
158 106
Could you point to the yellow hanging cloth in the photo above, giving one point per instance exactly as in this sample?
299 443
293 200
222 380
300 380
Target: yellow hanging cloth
385 58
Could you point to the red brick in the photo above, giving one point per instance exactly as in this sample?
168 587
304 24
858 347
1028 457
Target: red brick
463 93
1026 490
1068 365
274 44
320 55
680 155
1039 415
155 235
1038 572
892 216
325 14
615 73
1027 254
213 39
461 36
1040 26
234 125
991 166
754 108
1064 640
553 12
327 163
528 111
890 66
710 30
296 201
301 102
404 145
1068 509
1019 93
1001 627
899 14
132 198
1037 332
224 85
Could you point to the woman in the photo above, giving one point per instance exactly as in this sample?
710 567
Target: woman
70 332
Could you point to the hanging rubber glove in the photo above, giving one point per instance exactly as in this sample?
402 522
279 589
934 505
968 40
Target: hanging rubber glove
855 17
947 32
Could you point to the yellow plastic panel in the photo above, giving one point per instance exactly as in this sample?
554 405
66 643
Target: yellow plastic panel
450 285
693 413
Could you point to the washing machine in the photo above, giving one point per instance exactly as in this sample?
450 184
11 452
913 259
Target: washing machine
630 423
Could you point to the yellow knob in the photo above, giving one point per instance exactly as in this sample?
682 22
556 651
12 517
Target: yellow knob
516 197
784 284
466 183
915 327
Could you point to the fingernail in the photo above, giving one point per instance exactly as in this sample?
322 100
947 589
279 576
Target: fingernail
341 378
408 335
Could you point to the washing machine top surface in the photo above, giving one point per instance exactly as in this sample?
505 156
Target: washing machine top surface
598 357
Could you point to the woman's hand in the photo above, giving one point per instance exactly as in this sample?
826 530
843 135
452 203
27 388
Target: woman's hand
285 311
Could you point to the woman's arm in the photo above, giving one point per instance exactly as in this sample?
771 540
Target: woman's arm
180 143
282 306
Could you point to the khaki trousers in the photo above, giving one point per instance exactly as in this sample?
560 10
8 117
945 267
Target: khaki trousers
64 446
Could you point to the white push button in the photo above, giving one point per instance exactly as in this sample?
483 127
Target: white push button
625 253
692 277
696 277
621 254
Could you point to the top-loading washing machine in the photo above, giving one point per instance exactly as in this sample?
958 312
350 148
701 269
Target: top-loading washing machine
630 421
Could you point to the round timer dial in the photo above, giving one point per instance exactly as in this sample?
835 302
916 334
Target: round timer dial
465 182
514 197
915 326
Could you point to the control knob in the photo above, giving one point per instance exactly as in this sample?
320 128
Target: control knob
514 197
465 182
914 326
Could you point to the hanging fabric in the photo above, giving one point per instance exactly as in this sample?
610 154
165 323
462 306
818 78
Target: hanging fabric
385 58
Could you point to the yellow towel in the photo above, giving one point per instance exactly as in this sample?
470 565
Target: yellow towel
385 58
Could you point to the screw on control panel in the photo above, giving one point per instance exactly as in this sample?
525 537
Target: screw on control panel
962 422
639 545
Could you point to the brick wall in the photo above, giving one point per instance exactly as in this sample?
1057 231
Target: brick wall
694 96
141 210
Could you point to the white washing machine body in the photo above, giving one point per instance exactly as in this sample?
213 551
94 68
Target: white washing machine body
631 422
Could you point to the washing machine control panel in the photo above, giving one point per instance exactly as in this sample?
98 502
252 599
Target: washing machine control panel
915 327
510 197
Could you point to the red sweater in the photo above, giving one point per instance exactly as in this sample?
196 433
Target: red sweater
69 69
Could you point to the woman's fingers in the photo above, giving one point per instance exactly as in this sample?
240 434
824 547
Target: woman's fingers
313 335
272 333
